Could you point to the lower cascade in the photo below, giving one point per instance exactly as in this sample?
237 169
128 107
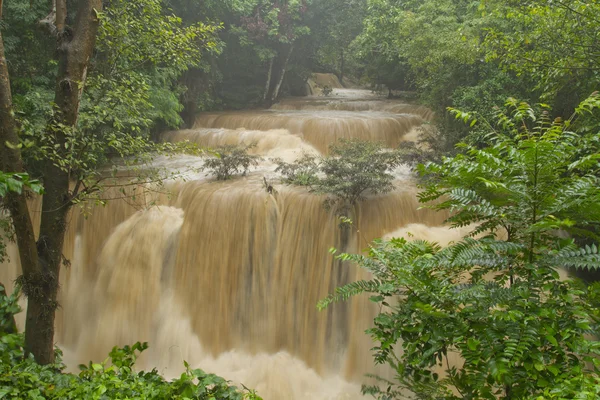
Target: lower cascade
227 275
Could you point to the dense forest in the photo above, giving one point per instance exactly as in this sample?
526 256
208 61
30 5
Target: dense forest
87 87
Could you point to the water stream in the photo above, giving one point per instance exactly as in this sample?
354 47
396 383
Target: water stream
226 275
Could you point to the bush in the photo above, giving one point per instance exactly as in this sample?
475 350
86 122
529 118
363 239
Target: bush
352 170
520 330
230 161
302 172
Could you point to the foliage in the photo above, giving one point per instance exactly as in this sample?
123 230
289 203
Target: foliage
533 166
555 41
16 183
435 43
112 379
9 306
334 25
472 55
230 161
353 169
527 337
491 317
115 378
131 84
267 22
303 172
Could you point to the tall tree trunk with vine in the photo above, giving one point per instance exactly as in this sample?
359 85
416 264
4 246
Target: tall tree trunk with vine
41 261
284 66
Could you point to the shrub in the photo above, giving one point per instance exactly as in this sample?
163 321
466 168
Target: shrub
352 170
230 161
355 168
302 172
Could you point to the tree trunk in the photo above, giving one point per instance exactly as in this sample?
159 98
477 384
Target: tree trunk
60 8
269 76
41 267
282 76
342 66
11 161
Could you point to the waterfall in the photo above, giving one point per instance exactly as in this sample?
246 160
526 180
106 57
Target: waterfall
227 275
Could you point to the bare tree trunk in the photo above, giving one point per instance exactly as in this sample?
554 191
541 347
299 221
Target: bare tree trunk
60 8
342 66
41 263
282 76
269 75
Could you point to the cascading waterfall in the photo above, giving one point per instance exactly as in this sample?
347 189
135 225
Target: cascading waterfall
227 275
320 128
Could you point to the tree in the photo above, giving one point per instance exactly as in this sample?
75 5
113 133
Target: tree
272 28
231 160
555 41
334 26
352 170
41 261
499 304
139 50
15 183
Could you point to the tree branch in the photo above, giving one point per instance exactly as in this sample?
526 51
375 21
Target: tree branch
60 6
49 23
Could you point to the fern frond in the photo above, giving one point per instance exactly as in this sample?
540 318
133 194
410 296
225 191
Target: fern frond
345 292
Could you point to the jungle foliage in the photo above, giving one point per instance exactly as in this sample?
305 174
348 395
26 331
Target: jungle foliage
490 316
472 55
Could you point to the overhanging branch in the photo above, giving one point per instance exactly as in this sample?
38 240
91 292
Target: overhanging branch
49 23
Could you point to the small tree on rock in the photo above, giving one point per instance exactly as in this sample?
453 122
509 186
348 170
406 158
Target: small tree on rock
230 161
352 170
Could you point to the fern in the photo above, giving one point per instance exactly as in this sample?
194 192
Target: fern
347 291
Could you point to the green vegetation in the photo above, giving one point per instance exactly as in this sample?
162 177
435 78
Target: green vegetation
352 170
15 183
497 302
472 55
230 161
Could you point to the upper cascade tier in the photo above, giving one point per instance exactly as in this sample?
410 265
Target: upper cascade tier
320 121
